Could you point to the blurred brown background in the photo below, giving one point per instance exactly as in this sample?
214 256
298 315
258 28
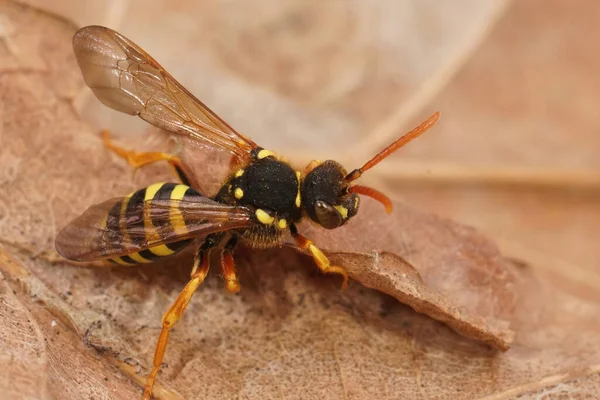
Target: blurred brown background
514 155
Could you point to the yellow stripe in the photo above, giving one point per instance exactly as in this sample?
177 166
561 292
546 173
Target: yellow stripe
119 261
138 258
175 215
152 190
150 193
161 250
178 192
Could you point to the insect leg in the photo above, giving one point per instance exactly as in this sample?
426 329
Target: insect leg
320 259
210 241
201 266
137 160
228 266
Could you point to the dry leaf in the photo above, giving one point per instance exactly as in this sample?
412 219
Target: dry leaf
44 357
290 334
453 274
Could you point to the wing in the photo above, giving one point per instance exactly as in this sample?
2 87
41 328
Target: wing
105 230
124 77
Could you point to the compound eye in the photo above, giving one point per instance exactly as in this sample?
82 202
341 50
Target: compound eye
327 216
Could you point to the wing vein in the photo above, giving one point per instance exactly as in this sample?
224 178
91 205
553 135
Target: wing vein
124 77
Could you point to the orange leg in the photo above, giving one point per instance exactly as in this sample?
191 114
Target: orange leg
137 160
320 259
201 265
228 266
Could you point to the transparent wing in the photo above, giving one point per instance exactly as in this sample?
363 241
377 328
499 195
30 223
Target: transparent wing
105 231
127 79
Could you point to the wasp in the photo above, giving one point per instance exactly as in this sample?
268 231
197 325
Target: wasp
261 201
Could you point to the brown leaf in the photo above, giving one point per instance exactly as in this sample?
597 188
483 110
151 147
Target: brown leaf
453 274
47 358
290 334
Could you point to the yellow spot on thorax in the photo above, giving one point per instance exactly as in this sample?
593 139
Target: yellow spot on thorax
356 201
238 193
263 217
298 198
265 153
282 224
342 210
239 172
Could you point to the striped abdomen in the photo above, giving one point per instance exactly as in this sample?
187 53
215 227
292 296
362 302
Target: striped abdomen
139 227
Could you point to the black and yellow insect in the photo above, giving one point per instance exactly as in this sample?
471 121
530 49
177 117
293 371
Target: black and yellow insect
261 201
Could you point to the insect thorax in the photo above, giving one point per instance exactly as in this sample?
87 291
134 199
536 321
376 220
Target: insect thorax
272 189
